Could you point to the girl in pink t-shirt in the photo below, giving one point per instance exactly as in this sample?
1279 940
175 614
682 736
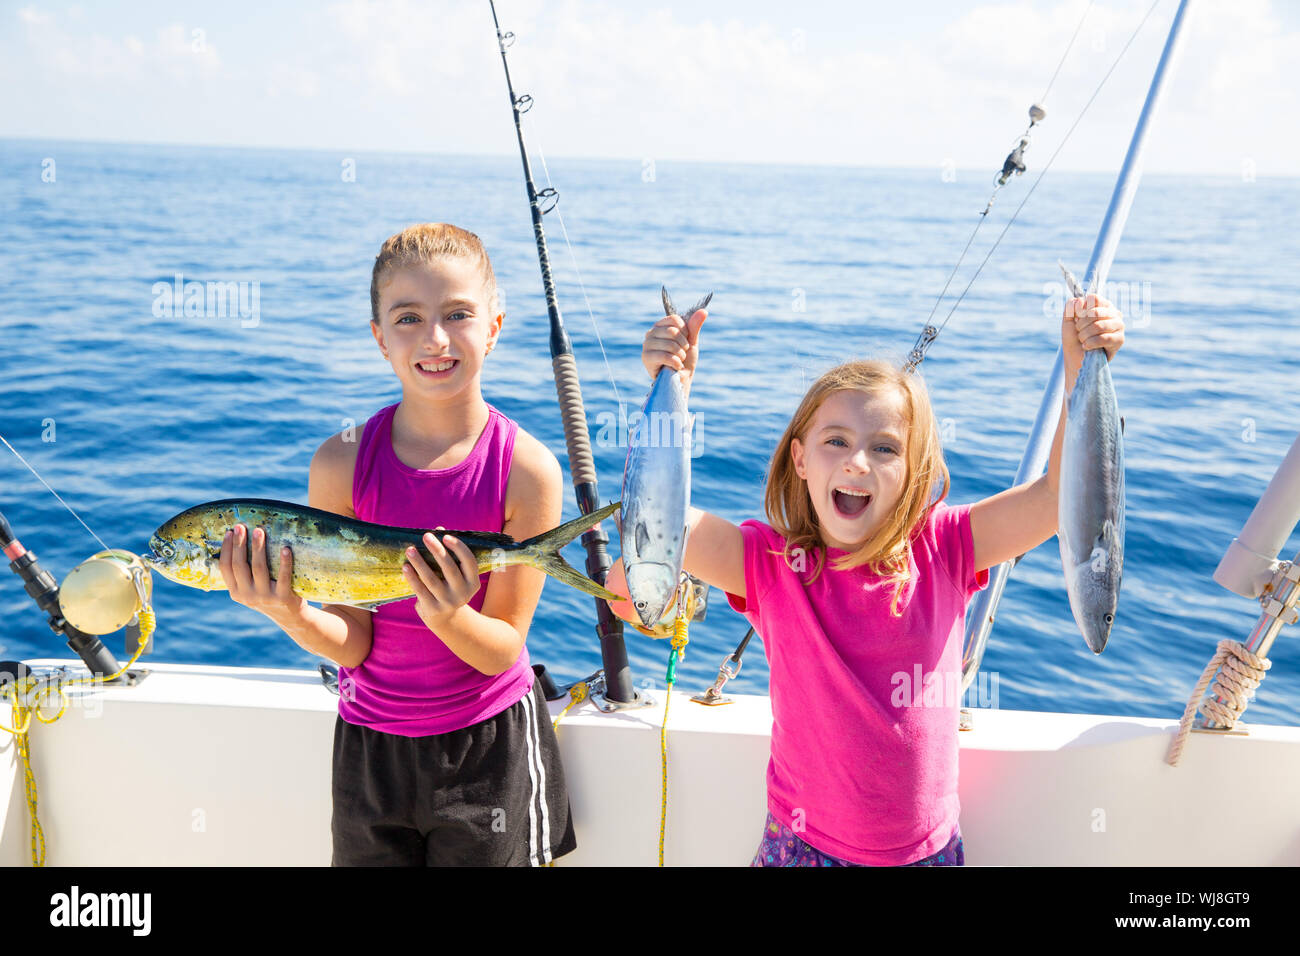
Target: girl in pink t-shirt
858 584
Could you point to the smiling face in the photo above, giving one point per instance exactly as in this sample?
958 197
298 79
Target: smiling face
854 461
436 325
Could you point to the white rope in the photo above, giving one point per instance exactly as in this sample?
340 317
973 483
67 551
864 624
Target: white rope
1242 672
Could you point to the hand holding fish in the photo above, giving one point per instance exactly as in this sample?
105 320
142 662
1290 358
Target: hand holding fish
1090 322
674 342
439 597
253 586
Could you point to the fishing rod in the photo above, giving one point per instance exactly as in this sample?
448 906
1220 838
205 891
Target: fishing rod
618 675
1038 449
42 588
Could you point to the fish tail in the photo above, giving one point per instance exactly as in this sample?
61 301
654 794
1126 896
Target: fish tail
543 553
670 309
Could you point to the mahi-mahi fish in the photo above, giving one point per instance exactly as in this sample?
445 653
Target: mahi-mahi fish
339 560
1091 501
657 492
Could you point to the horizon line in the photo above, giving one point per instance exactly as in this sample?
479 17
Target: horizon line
748 161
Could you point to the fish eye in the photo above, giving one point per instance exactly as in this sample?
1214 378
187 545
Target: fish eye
167 552
1109 618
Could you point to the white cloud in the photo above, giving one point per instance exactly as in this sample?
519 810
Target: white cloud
631 81
33 17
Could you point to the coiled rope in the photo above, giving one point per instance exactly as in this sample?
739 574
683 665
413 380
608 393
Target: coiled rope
24 710
1242 672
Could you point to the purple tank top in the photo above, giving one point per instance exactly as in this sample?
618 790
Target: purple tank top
412 684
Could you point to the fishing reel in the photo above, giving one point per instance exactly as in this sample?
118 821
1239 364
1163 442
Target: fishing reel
106 593
99 596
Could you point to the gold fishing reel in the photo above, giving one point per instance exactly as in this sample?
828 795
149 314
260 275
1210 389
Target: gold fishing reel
106 592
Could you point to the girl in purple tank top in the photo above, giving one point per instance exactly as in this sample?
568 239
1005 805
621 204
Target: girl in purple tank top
443 748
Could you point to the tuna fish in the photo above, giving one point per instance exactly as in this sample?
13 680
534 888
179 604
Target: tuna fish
1091 500
657 493
338 560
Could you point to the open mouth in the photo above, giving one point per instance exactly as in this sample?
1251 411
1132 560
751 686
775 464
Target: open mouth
849 503
442 368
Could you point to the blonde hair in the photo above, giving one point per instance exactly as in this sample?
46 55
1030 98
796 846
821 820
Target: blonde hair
428 242
790 510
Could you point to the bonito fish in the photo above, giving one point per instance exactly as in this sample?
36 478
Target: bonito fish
338 560
1091 501
696 603
657 492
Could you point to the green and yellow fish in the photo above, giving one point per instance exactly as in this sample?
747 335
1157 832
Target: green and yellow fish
338 560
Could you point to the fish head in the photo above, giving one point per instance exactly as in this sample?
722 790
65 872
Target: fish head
653 587
695 607
183 552
1095 623
1093 591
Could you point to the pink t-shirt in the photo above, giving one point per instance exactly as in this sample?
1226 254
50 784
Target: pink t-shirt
865 705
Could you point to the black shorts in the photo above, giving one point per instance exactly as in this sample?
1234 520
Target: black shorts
491 794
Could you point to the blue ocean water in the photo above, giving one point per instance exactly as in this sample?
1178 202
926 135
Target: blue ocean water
132 415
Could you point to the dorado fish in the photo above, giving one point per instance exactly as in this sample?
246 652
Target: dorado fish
657 492
1091 501
338 560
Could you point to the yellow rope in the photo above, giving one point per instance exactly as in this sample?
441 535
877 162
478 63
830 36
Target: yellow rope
577 694
679 641
22 719
1242 673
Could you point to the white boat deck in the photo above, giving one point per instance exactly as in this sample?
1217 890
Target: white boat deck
204 766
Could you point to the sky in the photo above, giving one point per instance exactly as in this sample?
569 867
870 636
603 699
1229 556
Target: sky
933 84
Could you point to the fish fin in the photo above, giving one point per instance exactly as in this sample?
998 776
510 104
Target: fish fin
641 536
702 304
1121 424
543 552
555 565
561 535
669 308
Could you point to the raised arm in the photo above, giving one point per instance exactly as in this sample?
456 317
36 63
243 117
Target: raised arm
715 550
1019 519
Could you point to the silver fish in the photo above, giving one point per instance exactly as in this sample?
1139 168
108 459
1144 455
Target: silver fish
1091 500
657 492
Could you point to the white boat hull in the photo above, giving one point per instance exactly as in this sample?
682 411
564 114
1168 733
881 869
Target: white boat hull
214 766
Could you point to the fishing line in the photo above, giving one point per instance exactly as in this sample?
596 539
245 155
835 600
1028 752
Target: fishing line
930 333
53 492
1073 37
917 354
574 259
